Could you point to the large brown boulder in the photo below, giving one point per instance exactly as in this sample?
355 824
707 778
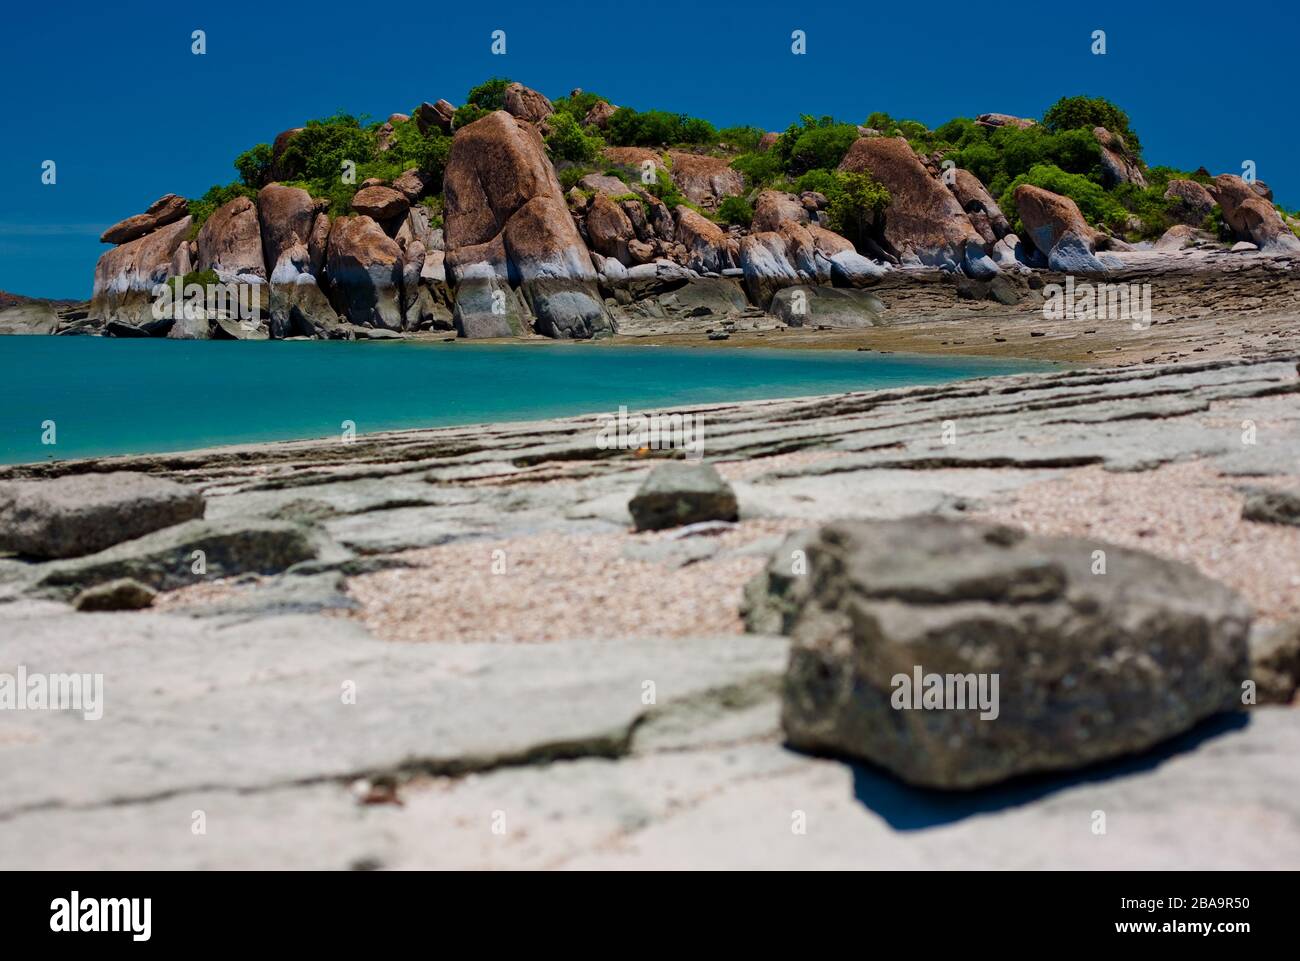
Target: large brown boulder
706 244
984 213
705 180
290 228
230 243
1057 228
767 268
1190 203
126 275
609 229
167 209
435 116
1253 218
995 120
527 104
637 158
598 116
507 226
1119 165
771 207
286 215
924 222
365 270
382 204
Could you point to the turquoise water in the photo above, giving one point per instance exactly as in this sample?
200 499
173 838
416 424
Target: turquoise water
109 396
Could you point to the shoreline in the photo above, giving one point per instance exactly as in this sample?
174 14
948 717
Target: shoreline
465 668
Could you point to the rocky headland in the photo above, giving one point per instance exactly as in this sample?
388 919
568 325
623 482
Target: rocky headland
516 216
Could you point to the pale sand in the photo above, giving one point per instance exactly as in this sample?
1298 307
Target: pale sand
555 587
1184 512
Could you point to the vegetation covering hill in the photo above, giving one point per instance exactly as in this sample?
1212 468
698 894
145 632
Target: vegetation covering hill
1061 154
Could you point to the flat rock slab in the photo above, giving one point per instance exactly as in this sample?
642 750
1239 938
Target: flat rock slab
958 654
193 552
84 513
192 703
1235 789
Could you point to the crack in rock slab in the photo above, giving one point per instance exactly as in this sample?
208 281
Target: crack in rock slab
191 704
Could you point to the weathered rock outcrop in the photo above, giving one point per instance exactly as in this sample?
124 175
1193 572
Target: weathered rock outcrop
167 209
1003 120
1118 164
126 275
230 243
1057 228
706 244
609 229
383 205
527 104
705 180
298 307
1253 218
435 116
771 207
1191 203
984 213
507 226
598 116
1086 666
365 270
924 223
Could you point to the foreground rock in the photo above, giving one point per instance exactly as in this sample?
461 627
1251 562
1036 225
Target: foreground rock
1087 666
195 551
1272 507
1275 661
83 513
678 493
123 594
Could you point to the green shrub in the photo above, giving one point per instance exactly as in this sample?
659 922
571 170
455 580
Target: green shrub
812 143
578 107
657 128
490 95
1072 113
570 174
319 150
881 121
735 210
411 148
466 115
254 166
667 191
759 169
568 141
1097 207
822 181
741 138
217 196
856 202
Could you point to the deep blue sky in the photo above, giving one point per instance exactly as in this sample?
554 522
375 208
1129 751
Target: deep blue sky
112 93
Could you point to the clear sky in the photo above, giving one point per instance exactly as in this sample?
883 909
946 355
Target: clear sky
113 94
